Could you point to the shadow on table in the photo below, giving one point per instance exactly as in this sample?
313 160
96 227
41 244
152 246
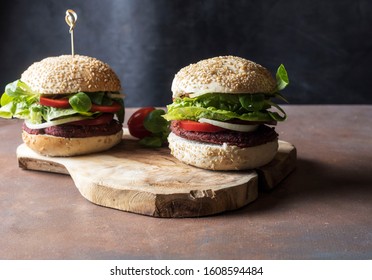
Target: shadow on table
314 180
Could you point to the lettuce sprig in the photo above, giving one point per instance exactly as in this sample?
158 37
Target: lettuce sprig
19 101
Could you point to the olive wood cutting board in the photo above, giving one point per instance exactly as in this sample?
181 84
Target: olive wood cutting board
151 182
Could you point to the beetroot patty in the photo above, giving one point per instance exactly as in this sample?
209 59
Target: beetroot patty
77 131
262 135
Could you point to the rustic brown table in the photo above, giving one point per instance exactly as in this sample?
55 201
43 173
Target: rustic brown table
323 210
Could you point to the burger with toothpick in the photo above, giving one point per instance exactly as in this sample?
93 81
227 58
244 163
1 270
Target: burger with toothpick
71 104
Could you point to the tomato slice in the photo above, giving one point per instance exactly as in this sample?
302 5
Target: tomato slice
102 119
56 103
64 104
113 108
135 122
197 126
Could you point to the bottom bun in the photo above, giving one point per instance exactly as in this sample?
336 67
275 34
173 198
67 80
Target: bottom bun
221 157
54 146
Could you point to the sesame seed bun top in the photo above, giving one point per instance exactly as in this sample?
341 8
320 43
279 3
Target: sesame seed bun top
70 74
223 74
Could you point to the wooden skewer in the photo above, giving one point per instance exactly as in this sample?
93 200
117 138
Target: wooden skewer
71 18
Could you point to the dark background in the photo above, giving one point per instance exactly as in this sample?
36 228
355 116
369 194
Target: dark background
326 46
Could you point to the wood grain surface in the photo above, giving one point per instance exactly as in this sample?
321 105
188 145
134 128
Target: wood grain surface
152 182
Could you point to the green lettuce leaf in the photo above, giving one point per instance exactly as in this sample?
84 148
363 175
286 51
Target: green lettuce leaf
51 113
5 99
17 101
121 114
80 102
100 98
247 107
155 123
196 113
6 110
18 88
159 128
282 80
